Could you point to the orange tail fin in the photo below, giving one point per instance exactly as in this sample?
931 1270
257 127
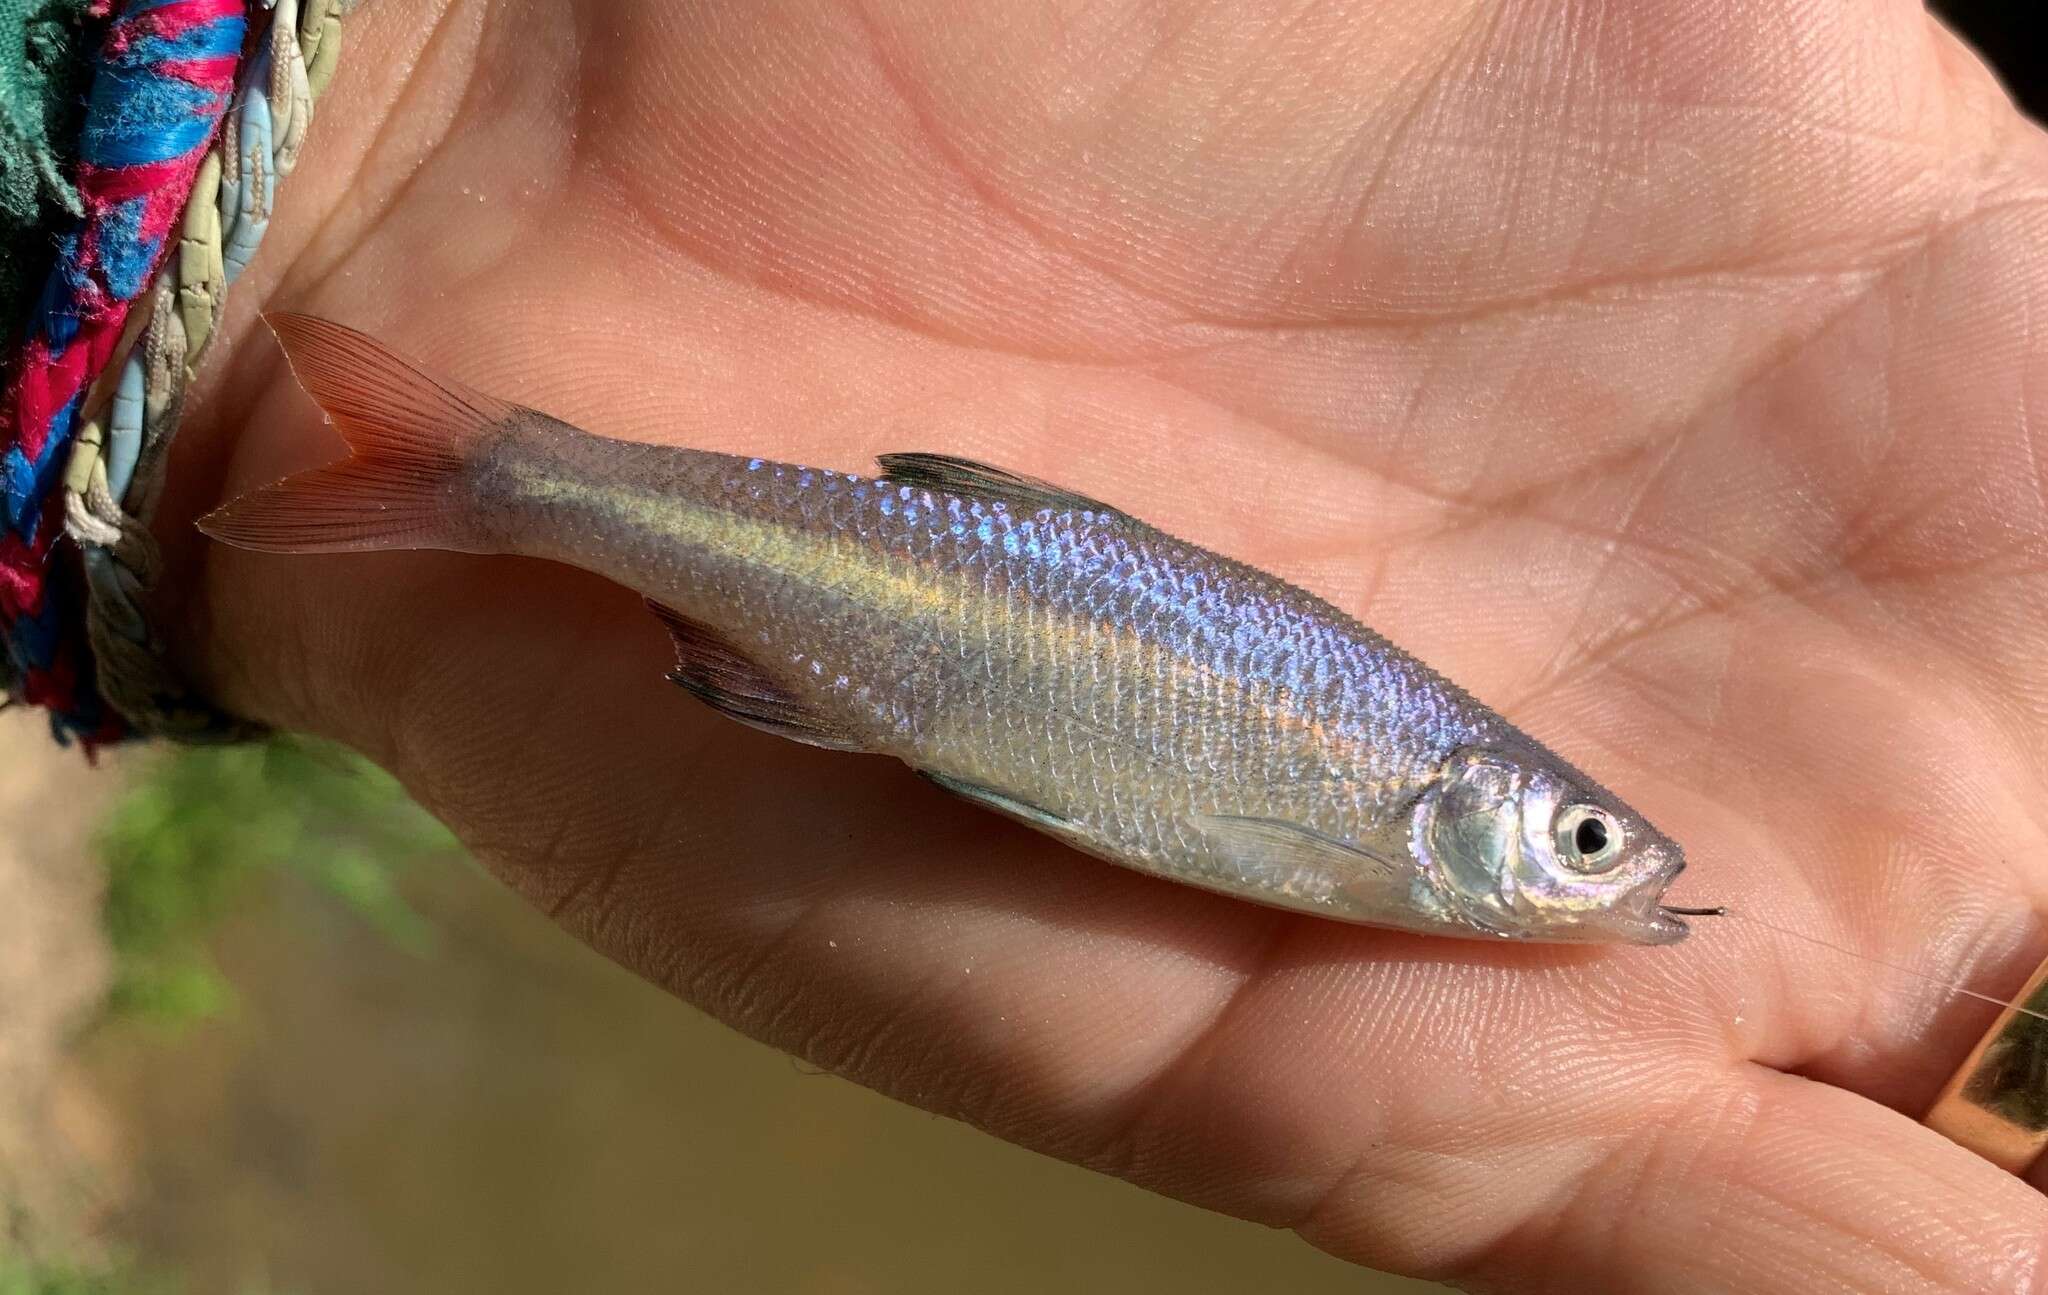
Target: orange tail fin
407 431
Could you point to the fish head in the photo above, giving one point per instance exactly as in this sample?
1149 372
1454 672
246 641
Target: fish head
1523 846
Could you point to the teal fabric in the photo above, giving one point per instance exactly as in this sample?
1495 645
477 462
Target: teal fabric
45 69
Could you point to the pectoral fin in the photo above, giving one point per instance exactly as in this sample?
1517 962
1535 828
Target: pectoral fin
719 675
1292 862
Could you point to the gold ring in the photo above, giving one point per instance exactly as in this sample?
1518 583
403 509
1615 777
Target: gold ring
1997 1103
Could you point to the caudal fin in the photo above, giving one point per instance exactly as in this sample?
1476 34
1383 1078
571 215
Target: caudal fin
407 431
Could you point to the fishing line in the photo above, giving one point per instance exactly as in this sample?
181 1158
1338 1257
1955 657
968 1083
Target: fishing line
1950 985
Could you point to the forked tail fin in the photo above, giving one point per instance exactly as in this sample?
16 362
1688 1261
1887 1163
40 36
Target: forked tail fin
407 431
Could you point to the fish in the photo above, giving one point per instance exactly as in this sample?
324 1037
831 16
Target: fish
1039 653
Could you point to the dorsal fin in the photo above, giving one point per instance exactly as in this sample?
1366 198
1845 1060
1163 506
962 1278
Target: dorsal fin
956 476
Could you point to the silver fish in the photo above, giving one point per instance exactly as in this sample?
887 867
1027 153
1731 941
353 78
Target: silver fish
1029 649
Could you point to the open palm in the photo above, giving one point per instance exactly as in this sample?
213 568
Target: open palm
1669 373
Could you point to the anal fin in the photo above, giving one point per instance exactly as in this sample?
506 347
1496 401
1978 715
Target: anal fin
722 677
1286 863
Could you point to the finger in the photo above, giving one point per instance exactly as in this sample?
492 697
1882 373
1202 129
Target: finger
1771 1183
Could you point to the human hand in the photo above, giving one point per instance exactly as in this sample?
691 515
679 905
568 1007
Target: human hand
1665 372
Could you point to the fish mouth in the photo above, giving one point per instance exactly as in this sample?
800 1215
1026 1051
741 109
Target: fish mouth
1642 919
1672 917
1655 925
1664 926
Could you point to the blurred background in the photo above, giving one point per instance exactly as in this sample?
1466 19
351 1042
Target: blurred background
264 1029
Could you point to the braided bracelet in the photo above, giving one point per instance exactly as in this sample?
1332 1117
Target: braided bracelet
120 331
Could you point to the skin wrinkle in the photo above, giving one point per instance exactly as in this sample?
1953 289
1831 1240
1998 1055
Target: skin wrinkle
1324 1215
1253 79
1854 1025
1481 17
1862 240
1530 304
1726 1122
470 107
1473 506
1579 631
1510 1080
732 993
307 277
1513 201
1795 1198
2023 418
623 188
1689 603
1760 580
1612 661
617 921
1604 1150
991 193
1983 947
1623 1173
851 1047
1114 1149
846 1050
956 163
1758 1130
855 1051
424 686
1884 1241
1324 1212
590 889
732 988
1586 291
1321 444
593 891
626 186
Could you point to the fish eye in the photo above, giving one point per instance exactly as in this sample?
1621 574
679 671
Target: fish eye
1588 838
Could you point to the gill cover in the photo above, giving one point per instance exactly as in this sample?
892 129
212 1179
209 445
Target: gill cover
1467 833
